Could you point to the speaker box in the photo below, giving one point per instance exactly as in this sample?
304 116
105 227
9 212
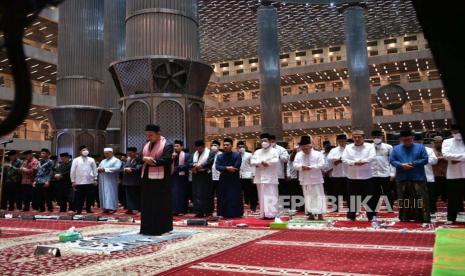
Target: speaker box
197 222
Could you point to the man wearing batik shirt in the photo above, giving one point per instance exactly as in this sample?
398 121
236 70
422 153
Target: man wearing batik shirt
13 181
42 181
358 157
453 150
28 176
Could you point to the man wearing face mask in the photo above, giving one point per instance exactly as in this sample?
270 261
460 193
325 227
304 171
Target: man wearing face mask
382 169
453 150
410 159
247 172
283 159
266 161
83 178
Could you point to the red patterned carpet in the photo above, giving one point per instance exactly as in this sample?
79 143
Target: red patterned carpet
316 252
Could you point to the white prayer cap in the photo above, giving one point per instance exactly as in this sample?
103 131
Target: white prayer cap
107 150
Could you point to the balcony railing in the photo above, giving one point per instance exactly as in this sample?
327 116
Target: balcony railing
37 87
27 134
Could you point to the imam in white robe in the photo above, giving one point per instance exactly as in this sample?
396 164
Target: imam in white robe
312 180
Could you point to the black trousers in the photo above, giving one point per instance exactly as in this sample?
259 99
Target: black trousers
440 188
250 193
433 198
65 197
386 188
337 187
413 201
455 197
12 195
44 197
156 210
84 192
27 192
361 188
283 187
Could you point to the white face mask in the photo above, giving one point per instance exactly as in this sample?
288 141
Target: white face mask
265 145
214 148
457 136
377 141
241 150
85 152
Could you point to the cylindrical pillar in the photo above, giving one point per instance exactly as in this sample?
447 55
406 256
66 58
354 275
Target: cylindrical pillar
114 49
79 117
268 58
162 27
80 53
162 79
357 63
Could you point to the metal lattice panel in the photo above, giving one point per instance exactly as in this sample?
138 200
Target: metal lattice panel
65 144
228 29
170 117
88 140
137 119
137 76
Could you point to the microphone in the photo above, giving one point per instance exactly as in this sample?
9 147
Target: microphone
6 142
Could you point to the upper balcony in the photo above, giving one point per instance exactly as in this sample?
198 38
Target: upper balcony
44 94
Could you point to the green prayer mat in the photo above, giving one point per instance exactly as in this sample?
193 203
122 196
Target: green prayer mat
449 252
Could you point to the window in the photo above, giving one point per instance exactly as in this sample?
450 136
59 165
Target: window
338 113
417 106
300 54
238 62
320 87
45 89
317 51
375 81
337 85
321 115
240 96
222 65
335 49
437 105
338 58
303 89
256 120
433 75
227 122
283 56
284 64
410 38
392 51
391 40
255 94
212 123
253 60
2 81
378 111
225 73
394 79
241 121
373 53
372 43
299 62
226 98
414 77
304 116
286 91
411 48
240 71
253 69
287 117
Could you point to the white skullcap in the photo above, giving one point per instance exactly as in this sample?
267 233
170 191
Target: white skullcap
107 150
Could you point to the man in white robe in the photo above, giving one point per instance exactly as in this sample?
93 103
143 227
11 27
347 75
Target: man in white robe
266 162
109 170
309 163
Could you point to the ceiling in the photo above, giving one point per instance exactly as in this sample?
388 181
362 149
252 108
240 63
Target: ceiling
228 29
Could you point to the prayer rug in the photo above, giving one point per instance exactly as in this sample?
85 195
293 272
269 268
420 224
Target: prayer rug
449 252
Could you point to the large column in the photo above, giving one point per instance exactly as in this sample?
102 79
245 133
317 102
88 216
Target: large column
79 117
114 49
162 79
357 63
268 58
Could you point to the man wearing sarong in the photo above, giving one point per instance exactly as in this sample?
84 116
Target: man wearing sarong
410 159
